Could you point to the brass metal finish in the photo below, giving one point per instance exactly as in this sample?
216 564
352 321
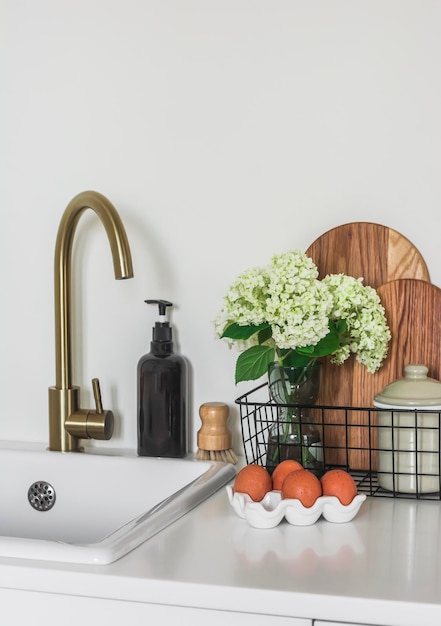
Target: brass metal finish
90 424
67 422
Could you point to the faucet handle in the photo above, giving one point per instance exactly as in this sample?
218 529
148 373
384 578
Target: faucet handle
99 423
97 395
89 423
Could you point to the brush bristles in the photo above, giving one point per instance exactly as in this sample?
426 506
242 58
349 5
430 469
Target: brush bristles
227 456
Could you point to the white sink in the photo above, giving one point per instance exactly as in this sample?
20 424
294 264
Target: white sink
103 506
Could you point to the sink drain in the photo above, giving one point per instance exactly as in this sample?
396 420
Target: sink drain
41 496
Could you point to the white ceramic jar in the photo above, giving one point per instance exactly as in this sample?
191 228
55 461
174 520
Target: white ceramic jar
409 441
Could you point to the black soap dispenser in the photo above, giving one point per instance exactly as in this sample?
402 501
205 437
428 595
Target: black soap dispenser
162 394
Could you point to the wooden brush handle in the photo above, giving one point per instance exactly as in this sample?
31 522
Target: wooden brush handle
214 434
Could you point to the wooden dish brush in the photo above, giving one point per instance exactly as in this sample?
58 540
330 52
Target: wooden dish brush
214 439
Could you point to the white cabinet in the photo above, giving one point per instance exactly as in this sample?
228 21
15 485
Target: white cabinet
50 609
318 622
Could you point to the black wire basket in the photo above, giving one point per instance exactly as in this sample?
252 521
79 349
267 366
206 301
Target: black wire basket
390 453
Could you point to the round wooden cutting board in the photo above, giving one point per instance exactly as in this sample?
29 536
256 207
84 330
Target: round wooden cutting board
372 251
380 255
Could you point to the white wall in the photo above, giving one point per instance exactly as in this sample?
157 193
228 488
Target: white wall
224 131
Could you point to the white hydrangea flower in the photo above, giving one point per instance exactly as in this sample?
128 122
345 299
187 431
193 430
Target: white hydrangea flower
361 308
245 302
296 306
299 304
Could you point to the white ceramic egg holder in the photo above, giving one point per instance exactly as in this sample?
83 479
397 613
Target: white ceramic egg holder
270 511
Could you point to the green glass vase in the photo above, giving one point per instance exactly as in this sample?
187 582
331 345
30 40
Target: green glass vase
293 435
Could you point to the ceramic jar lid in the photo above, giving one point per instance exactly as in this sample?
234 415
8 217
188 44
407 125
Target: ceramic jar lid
415 390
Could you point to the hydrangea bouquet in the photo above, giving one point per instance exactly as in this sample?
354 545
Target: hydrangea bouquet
283 313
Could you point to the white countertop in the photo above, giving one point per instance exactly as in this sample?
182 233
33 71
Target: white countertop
384 567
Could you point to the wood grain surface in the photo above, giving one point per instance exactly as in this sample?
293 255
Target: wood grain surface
372 251
378 254
413 310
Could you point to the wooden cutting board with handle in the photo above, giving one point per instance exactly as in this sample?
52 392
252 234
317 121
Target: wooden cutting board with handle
378 254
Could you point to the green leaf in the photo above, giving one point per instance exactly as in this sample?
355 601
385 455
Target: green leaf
294 359
253 363
265 334
341 326
242 333
328 345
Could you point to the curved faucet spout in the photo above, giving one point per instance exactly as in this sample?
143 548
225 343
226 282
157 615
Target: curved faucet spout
122 262
64 407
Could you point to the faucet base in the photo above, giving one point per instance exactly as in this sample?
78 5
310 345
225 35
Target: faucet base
68 424
62 404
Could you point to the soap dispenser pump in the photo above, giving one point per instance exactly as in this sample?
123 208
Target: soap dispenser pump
162 393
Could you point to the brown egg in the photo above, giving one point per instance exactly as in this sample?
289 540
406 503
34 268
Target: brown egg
302 485
254 480
282 470
338 482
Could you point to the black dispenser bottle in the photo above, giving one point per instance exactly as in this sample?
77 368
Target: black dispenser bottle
162 394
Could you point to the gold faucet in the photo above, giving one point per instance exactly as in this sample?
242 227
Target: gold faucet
67 422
